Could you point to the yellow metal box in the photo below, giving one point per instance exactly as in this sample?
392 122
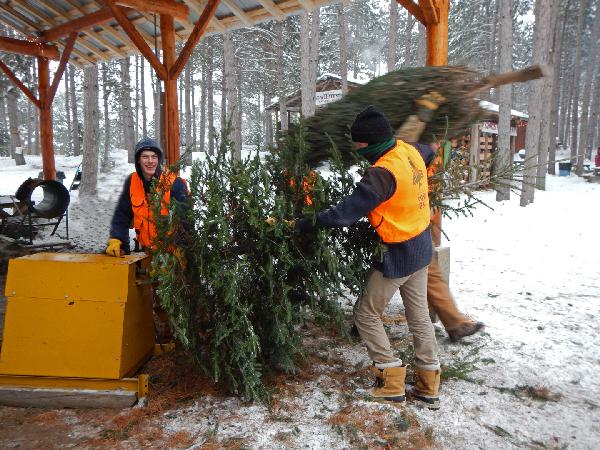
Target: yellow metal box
76 315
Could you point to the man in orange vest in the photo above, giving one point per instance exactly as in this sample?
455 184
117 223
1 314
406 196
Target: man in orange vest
393 194
133 208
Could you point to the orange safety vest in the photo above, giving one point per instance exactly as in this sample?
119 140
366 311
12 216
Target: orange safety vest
143 217
406 213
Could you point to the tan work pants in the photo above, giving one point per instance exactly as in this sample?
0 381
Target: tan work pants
441 301
370 308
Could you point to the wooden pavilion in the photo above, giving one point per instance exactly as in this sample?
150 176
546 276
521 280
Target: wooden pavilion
84 32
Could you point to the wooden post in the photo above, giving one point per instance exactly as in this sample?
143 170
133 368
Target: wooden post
171 111
46 119
437 55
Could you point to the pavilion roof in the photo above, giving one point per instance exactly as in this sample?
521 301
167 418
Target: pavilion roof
107 40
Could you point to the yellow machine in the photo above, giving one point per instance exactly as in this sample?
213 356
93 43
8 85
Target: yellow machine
77 328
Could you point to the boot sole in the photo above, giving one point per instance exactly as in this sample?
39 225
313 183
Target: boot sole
430 403
390 399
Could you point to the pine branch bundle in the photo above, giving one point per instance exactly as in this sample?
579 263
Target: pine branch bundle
237 298
395 94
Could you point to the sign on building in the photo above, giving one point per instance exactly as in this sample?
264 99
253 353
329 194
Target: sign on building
492 128
322 98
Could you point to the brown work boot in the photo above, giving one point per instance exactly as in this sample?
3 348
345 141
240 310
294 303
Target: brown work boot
427 388
464 330
389 384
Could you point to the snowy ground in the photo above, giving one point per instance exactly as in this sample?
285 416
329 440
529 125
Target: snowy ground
530 381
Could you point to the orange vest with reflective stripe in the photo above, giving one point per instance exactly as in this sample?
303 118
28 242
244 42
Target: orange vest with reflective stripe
143 217
406 213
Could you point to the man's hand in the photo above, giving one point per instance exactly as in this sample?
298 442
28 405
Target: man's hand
114 248
428 104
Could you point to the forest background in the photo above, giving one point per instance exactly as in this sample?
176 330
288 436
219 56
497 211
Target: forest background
234 76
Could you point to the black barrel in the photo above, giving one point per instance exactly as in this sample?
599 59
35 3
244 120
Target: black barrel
54 203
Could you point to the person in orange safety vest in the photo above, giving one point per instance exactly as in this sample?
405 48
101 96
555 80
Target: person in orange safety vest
133 208
393 194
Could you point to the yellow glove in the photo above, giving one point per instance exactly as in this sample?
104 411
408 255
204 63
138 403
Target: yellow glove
114 247
272 221
428 104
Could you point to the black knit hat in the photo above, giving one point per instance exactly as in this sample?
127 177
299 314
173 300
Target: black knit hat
371 126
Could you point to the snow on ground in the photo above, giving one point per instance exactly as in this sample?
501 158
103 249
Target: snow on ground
531 274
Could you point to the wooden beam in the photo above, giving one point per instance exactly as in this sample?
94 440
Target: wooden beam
46 143
199 29
430 11
239 12
170 108
28 48
64 59
138 40
12 77
272 8
79 24
413 9
168 7
437 36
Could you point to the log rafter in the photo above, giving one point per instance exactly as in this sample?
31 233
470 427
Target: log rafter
430 11
413 9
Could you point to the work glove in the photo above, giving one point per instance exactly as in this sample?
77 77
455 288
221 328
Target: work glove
114 248
273 220
428 104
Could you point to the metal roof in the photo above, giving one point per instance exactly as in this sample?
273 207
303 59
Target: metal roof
108 41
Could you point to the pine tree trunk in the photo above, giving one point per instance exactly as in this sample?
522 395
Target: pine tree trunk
136 106
105 164
283 116
232 107
576 81
545 128
422 46
591 70
16 150
199 146
4 135
305 77
343 42
392 36
410 24
210 115
187 75
223 94
89 166
30 125
505 94
594 128
68 142
76 127
543 12
203 94
157 118
128 136
314 58
568 101
143 95
557 58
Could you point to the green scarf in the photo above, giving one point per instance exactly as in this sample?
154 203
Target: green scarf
374 151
